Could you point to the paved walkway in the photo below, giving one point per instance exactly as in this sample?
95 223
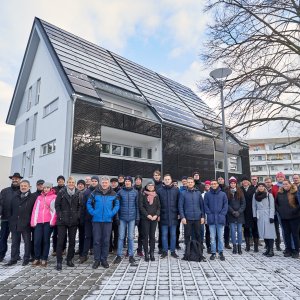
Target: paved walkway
249 276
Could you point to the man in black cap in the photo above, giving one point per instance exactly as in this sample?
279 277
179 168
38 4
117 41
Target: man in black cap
138 186
6 196
60 184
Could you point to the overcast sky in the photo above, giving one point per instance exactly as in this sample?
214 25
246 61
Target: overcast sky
163 35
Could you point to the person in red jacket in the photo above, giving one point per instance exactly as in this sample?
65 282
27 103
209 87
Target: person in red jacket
280 177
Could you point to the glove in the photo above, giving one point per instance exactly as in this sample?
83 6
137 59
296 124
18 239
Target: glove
255 219
271 220
236 214
137 222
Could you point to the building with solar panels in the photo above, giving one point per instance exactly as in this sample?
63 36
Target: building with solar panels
80 109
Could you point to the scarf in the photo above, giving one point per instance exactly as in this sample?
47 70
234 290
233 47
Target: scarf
233 191
70 192
279 184
150 196
259 196
104 191
24 195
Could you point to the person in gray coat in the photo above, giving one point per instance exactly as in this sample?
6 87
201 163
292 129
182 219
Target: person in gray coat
263 207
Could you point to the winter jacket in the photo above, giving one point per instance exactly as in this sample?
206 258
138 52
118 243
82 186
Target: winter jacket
6 197
129 204
169 197
199 186
158 184
248 212
287 203
216 206
84 214
44 209
147 209
67 208
58 188
182 188
191 205
21 209
235 205
102 207
264 211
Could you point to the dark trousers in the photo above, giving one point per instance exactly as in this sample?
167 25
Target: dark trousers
226 234
4 233
291 228
192 226
101 234
159 236
278 240
16 242
81 235
253 230
32 242
148 234
54 239
114 235
140 238
62 231
88 238
177 233
207 236
42 233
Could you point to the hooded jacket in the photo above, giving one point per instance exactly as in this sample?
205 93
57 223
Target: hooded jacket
44 209
103 206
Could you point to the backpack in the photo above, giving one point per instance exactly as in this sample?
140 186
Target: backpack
193 251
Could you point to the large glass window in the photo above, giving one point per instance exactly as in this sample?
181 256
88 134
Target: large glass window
48 148
29 100
51 107
105 148
126 151
116 150
34 126
149 153
38 90
32 153
137 152
26 131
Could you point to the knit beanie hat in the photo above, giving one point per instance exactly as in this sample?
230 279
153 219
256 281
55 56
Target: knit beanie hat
81 181
128 178
232 179
138 176
95 177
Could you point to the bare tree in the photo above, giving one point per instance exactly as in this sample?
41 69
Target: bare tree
260 41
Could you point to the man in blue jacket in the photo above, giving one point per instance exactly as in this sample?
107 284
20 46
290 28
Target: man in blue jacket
191 209
129 216
216 208
102 205
168 196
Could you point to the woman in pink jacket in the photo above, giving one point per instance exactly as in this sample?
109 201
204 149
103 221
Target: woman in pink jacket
42 218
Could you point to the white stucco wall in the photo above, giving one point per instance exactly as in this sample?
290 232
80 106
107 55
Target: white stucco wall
5 163
49 128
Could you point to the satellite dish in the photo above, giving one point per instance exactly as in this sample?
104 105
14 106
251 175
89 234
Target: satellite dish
220 73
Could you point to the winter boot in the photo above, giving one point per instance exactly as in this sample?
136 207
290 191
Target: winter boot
266 247
271 245
240 249
152 258
234 251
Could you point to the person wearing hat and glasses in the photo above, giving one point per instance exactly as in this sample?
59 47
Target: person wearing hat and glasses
6 196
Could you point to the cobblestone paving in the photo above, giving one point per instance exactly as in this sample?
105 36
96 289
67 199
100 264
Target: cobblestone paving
249 276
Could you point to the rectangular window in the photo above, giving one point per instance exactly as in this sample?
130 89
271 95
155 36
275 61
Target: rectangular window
137 152
149 153
116 150
37 92
34 126
219 165
23 164
105 148
51 107
126 151
26 131
29 100
48 148
32 153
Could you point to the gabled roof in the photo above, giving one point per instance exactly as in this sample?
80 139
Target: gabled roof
87 68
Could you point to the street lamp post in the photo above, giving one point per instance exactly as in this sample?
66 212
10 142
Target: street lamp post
219 76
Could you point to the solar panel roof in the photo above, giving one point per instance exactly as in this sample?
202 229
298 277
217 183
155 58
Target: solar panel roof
85 62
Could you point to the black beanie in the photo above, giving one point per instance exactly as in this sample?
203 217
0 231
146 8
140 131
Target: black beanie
60 177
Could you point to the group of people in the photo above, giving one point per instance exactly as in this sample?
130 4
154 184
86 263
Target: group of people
105 212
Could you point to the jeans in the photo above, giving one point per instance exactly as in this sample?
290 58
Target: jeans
16 242
236 228
62 231
130 232
42 233
88 238
101 234
165 230
216 229
4 233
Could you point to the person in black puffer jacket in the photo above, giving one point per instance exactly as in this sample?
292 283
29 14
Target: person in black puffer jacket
67 208
287 205
235 215
19 222
149 205
6 197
